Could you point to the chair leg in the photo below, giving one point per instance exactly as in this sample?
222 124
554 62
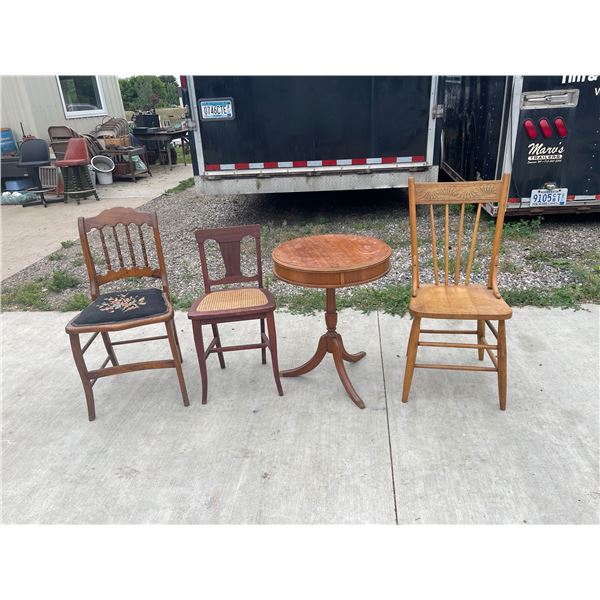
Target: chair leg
215 330
109 348
171 335
480 338
197 329
177 342
502 364
411 356
273 349
83 373
263 350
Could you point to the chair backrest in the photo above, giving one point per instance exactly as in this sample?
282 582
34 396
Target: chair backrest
460 194
77 150
35 150
119 232
229 240
59 136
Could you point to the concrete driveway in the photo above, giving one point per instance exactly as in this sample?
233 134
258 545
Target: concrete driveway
30 233
250 456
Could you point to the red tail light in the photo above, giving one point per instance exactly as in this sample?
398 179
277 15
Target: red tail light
546 129
183 79
561 128
530 129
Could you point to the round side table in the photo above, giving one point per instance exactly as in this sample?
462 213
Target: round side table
331 261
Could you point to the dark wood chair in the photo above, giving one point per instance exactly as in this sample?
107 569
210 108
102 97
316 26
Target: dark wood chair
121 231
447 298
240 303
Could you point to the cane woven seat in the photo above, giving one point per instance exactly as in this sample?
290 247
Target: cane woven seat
233 299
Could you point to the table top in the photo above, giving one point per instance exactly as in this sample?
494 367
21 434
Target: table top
124 150
157 134
331 260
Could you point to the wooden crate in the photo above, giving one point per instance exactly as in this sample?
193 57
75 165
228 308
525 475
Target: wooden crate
124 140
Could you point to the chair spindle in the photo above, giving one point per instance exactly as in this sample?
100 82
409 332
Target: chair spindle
118 247
446 248
473 242
459 245
433 245
130 244
144 254
105 249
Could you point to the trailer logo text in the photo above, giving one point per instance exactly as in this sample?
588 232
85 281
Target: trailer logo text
540 153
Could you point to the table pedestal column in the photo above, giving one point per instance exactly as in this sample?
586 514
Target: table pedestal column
331 342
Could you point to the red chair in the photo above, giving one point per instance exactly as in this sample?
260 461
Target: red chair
75 171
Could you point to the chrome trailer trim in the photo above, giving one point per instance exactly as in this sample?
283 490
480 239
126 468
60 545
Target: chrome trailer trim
313 182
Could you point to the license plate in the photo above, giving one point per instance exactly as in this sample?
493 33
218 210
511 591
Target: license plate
216 109
555 197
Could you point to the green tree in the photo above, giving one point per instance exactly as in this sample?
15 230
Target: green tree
142 92
171 89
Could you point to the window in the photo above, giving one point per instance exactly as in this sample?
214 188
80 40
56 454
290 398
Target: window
81 96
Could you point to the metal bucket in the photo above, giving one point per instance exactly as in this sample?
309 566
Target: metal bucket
104 166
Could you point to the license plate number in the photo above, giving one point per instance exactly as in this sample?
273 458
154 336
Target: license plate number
555 197
216 109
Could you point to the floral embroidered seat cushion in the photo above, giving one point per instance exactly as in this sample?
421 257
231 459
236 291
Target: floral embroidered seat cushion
115 307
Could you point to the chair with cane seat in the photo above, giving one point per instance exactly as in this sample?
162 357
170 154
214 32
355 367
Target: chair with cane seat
126 230
76 174
448 298
235 303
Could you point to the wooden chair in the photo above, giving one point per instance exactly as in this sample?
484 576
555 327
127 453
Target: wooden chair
235 303
117 311
447 298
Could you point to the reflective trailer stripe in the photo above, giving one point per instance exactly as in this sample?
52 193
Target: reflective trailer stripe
291 164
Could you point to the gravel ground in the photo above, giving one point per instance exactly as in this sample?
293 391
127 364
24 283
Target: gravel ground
534 254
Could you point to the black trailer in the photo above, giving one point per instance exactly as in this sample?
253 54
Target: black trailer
545 130
289 134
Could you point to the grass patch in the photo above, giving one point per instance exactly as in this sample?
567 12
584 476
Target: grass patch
67 244
75 302
183 303
61 281
184 184
29 295
522 229
570 296
58 255
78 262
306 302
392 299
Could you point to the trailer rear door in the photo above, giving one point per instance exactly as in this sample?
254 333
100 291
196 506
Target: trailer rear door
314 122
556 155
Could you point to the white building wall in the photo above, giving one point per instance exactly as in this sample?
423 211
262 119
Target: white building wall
36 102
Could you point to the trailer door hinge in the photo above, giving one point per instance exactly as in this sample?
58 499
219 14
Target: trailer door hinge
437 112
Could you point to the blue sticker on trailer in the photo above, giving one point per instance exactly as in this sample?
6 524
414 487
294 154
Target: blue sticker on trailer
216 109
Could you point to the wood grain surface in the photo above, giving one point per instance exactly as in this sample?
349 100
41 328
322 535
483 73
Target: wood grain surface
331 260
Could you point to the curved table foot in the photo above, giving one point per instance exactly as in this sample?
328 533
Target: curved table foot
351 357
337 349
311 363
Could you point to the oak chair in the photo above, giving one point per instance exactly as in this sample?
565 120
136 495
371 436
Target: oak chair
448 298
240 303
121 231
